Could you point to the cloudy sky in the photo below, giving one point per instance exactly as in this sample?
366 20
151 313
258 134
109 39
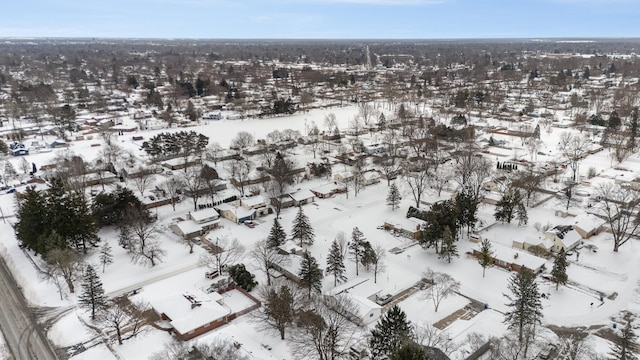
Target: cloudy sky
368 19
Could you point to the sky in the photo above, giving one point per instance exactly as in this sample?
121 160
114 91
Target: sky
320 19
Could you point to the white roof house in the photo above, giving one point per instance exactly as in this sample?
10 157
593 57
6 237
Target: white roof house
190 310
563 237
204 215
366 310
253 202
186 229
514 259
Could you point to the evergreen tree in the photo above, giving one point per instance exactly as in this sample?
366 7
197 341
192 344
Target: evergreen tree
526 308
302 229
310 274
633 128
356 246
559 271
466 207
277 236
32 226
369 256
624 343
449 248
393 198
242 276
335 263
409 351
105 257
521 214
441 215
92 295
511 205
485 255
391 332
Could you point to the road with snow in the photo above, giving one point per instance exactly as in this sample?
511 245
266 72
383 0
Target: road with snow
24 338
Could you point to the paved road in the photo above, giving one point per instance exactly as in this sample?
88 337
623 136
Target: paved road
24 338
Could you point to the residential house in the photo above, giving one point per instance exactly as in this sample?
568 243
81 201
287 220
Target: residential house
370 178
534 245
236 214
192 313
587 225
563 237
366 311
302 197
344 176
186 229
257 203
512 259
197 223
409 227
326 191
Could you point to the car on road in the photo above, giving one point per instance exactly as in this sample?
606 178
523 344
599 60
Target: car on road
384 300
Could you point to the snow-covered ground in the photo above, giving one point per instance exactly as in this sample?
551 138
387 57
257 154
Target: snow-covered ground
577 304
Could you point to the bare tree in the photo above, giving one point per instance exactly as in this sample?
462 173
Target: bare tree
221 253
417 178
280 303
330 122
126 320
142 179
172 188
266 257
575 346
239 171
218 349
574 148
213 151
442 286
139 233
378 261
619 207
428 335
193 184
242 141
470 171
65 264
324 332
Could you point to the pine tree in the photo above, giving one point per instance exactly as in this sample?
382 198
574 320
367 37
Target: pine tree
92 295
310 274
449 248
335 263
391 331
105 257
356 246
277 236
526 308
485 255
393 198
369 256
521 214
624 343
302 229
559 271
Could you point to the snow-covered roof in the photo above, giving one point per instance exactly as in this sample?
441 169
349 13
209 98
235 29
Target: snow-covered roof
587 222
520 258
326 188
188 227
186 314
301 195
253 201
364 307
411 224
204 215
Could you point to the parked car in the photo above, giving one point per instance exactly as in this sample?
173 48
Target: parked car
384 300
211 274
250 223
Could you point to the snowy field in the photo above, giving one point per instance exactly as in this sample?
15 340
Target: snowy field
593 273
